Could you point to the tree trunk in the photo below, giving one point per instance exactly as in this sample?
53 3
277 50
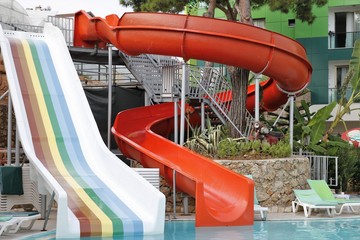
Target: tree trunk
211 9
210 14
239 82
208 65
239 79
244 9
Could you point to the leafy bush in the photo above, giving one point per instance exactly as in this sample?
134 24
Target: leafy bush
215 142
206 142
230 148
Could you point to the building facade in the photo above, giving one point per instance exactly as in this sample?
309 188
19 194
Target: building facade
329 42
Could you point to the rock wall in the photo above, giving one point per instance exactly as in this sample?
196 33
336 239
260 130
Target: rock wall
274 180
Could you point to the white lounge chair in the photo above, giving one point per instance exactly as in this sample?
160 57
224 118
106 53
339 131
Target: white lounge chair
257 208
19 220
324 192
309 200
6 222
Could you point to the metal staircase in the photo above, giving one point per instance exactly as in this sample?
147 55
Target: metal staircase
158 74
161 77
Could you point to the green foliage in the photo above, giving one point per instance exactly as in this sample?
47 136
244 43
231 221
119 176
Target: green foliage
348 163
317 124
301 8
169 6
206 142
215 142
352 78
355 66
229 148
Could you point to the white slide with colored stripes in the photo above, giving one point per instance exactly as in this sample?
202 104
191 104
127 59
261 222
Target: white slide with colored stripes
96 193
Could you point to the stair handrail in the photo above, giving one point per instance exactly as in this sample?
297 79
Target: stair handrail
213 101
199 90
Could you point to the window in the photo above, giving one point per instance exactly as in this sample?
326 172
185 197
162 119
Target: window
341 72
259 22
337 74
291 22
344 27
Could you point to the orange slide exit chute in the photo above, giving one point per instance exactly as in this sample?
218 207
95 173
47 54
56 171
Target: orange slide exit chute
223 198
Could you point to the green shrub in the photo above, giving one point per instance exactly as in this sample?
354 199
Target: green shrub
227 148
215 142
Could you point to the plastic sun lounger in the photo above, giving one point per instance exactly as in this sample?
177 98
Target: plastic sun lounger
262 210
6 222
323 190
257 208
309 200
18 220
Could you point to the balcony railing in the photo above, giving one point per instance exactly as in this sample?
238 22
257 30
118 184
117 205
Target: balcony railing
334 94
342 39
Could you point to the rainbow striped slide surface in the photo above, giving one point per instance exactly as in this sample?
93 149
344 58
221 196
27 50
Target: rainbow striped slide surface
98 195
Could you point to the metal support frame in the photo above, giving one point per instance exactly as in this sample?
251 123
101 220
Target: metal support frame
109 94
48 211
290 101
291 122
176 123
183 101
281 112
9 139
174 194
182 128
257 99
202 115
257 94
17 147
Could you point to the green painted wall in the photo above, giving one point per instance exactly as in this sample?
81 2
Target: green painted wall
313 37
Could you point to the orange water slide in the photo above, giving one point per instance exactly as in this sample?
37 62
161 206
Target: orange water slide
223 198
276 56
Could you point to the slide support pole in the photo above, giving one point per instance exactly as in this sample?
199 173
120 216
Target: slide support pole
291 125
109 94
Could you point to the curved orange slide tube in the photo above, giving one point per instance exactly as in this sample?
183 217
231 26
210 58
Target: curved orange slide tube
276 56
223 198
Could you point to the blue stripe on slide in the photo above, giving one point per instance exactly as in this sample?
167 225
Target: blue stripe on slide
130 221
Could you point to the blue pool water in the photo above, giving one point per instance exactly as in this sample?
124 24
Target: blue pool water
278 230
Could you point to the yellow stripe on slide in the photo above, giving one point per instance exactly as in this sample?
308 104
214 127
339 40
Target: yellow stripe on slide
106 223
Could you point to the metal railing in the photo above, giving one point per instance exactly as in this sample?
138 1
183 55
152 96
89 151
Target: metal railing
322 167
342 39
334 94
215 89
66 26
158 74
161 77
99 73
21 27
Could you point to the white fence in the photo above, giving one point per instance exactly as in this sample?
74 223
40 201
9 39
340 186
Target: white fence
323 167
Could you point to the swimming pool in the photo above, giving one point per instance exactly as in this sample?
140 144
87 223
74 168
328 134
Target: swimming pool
278 230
